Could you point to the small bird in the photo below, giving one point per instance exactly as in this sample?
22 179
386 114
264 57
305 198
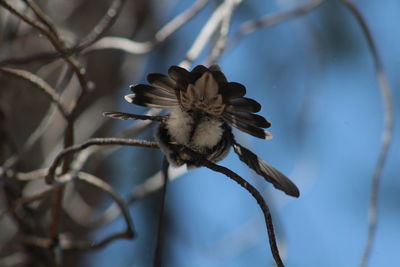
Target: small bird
203 107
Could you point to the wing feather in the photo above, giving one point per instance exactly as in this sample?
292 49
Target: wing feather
272 175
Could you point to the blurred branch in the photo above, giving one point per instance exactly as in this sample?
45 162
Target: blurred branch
27 200
269 20
160 232
94 142
24 176
104 24
67 244
105 187
150 186
41 16
134 47
54 40
220 44
39 83
387 134
205 34
121 43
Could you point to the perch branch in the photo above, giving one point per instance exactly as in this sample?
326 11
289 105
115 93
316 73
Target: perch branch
93 142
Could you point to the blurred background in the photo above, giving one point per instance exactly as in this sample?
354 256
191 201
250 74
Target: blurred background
315 78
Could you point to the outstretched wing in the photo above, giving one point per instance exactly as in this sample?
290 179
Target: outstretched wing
271 174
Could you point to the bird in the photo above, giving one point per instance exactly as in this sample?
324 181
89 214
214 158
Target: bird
203 107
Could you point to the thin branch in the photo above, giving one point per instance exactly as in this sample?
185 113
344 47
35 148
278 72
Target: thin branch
160 233
205 34
24 176
260 201
220 44
269 20
67 244
121 43
39 83
26 200
41 16
54 40
133 131
387 134
94 142
254 192
104 24
150 186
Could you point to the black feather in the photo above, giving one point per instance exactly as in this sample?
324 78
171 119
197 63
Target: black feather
262 168
250 129
243 104
129 116
232 90
198 71
151 102
162 81
250 118
150 91
178 73
217 73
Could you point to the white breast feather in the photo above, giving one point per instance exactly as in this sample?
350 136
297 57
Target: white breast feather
208 133
179 125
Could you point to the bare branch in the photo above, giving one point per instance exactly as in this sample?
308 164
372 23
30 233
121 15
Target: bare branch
67 244
27 200
41 16
205 34
150 186
275 18
134 47
104 24
261 202
40 84
24 176
160 232
220 44
111 42
94 142
387 134
54 40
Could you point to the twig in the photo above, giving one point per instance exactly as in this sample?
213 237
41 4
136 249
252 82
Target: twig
205 34
94 142
220 44
26 200
269 20
40 84
160 233
133 131
105 23
254 192
133 47
121 43
387 134
41 16
150 186
54 40
67 244
260 201
24 176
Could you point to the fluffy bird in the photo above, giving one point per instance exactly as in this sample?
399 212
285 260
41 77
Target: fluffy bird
203 107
